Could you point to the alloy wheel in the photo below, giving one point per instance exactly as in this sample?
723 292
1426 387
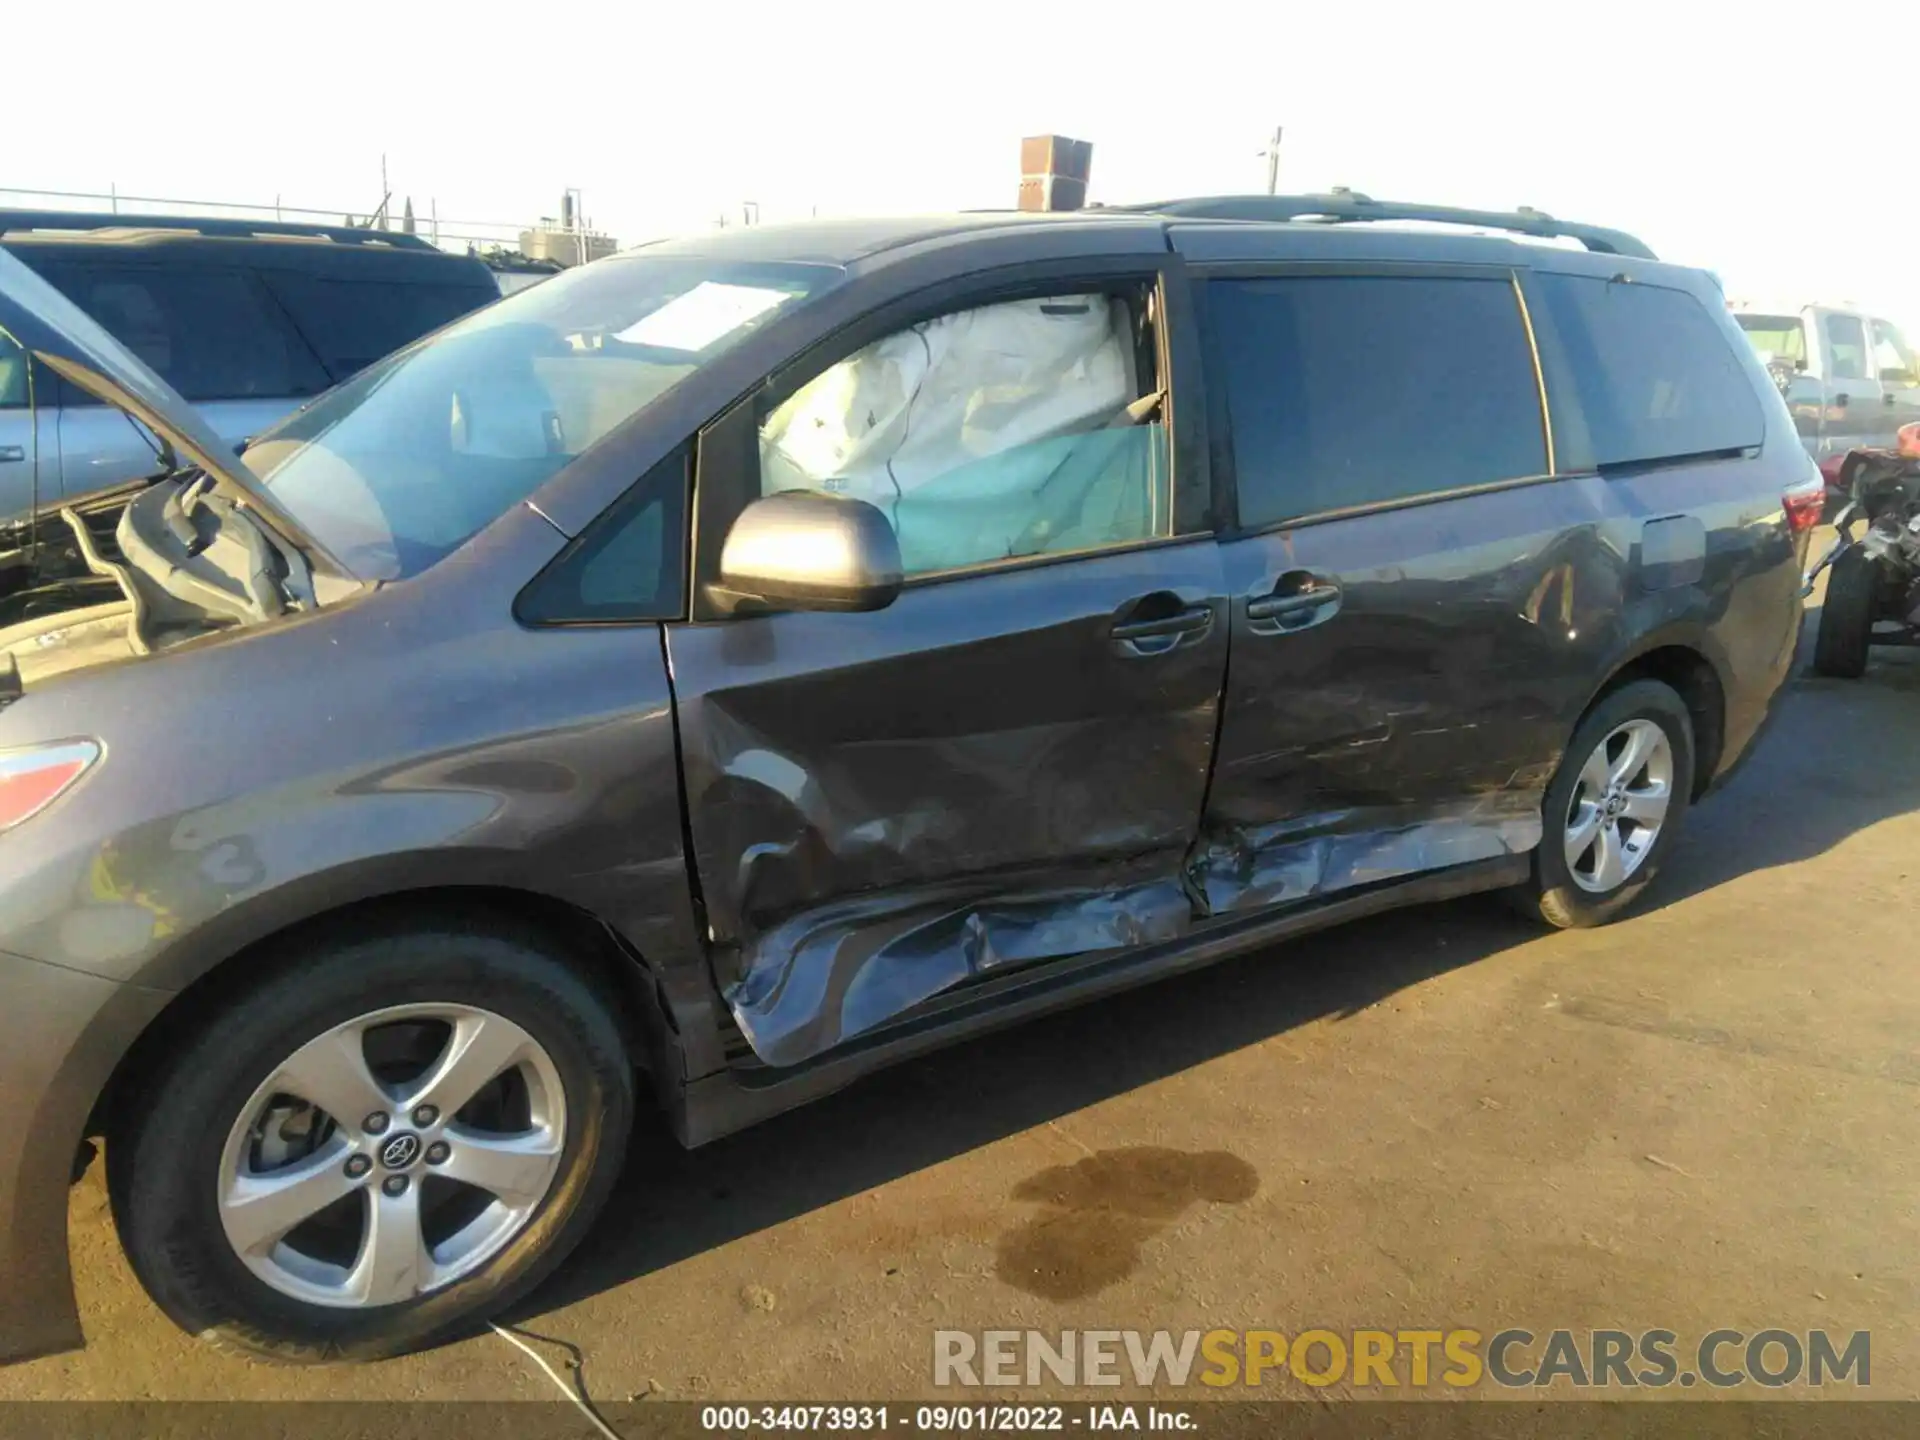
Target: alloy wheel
392 1155
1618 807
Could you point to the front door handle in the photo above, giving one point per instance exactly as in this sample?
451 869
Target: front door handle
1297 601
12 453
1157 623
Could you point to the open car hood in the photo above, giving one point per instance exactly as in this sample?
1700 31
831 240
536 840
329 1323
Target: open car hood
68 341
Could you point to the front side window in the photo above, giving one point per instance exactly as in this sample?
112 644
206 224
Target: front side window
1654 375
1348 391
1002 432
403 463
1892 360
1847 342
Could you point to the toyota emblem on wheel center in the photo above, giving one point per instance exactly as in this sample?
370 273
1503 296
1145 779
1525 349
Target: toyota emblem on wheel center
399 1152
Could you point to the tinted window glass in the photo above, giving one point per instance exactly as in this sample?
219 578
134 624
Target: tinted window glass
990 434
629 564
1847 339
1349 391
13 374
352 323
211 334
1655 375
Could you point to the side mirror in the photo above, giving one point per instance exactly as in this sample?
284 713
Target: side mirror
800 550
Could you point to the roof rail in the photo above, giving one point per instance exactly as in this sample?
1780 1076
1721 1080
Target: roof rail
1345 206
15 222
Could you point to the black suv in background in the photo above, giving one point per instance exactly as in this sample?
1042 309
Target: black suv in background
246 319
750 660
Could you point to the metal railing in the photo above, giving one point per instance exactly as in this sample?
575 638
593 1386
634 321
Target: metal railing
448 233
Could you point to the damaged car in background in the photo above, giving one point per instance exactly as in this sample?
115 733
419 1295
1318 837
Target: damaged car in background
739 664
1873 592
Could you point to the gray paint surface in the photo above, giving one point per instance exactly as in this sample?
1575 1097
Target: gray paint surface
881 807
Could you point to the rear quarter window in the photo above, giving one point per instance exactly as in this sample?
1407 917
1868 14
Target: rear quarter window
1653 374
350 323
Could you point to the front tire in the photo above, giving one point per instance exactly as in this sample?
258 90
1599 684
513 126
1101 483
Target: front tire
1612 812
1846 617
391 1139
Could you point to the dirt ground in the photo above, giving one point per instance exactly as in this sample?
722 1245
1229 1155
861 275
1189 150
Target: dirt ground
1702 1116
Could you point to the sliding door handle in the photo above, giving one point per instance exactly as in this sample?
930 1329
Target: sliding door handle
1296 601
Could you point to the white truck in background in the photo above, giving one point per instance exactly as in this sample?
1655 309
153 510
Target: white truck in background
1849 376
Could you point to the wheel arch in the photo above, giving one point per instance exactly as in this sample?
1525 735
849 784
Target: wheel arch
1684 666
585 942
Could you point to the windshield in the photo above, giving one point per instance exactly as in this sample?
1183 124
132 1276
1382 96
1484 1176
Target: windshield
1776 337
403 463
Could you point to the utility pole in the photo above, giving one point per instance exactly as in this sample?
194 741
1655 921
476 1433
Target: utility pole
1272 152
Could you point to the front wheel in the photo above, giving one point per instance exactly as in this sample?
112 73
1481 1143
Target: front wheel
388 1141
1611 814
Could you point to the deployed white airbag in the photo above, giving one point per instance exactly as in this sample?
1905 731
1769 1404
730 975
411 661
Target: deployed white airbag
996 384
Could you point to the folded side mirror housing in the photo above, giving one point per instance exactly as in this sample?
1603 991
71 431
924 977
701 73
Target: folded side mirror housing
800 550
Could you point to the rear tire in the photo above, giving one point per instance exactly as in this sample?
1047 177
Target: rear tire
1845 631
1632 756
491 1195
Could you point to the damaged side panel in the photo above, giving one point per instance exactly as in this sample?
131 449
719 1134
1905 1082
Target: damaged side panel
1418 725
1286 862
981 775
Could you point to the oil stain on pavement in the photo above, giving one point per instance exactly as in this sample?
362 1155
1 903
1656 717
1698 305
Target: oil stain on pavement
1097 1213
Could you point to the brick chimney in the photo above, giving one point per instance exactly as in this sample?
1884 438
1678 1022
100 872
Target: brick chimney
1054 172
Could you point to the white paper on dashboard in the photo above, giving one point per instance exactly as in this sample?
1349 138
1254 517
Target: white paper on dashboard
704 314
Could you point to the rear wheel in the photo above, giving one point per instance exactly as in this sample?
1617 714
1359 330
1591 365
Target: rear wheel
387 1142
1846 618
1611 814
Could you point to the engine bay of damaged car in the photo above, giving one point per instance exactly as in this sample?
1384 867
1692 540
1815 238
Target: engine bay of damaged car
134 570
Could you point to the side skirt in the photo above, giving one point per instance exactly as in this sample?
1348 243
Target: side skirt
733 1099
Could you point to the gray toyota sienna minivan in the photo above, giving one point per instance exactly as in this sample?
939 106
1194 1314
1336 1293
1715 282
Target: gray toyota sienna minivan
735 665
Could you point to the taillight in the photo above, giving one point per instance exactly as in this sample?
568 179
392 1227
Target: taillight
31 780
1804 505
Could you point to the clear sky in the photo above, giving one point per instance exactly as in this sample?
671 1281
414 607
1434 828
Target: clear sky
1724 134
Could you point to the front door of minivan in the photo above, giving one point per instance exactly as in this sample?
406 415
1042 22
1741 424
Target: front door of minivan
1007 763
1399 602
